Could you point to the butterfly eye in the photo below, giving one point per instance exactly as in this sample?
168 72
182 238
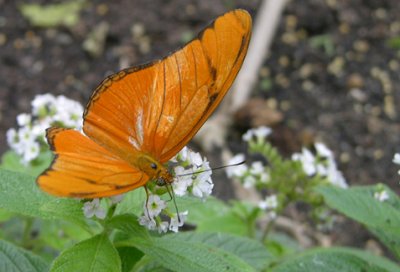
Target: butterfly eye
153 165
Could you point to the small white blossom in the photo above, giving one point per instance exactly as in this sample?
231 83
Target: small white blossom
42 101
249 182
177 221
257 168
155 205
381 195
307 160
183 180
93 208
202 184
323 150
396 158
260 133
12 138
24 119
270 203
117 198
237 170
264 177
195 158
32 151
334 176
163 227
147 222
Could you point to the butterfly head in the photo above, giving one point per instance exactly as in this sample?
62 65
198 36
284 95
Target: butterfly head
155 170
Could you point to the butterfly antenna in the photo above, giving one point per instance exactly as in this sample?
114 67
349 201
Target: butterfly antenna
171 193
212 169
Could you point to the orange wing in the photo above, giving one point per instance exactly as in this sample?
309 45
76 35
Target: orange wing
82 168
158 107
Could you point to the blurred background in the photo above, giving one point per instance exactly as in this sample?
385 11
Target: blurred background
332 74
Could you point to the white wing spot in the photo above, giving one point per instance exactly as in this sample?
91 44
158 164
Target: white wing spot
139 127
170 119
134 142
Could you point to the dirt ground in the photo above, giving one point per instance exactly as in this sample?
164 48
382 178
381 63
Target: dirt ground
333 70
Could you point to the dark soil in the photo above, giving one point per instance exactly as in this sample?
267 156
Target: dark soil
331 70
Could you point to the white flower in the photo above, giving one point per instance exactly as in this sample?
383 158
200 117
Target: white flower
257 168
196 159
307 160
32 151
323 150
148 222
249 182
264 177
163 227
154 205
24 119
177 221
42 101
25 135
260 133
237 170
12 138
93 208
270 203
182 155
381 196
202 184
396 158
334 176
183 180
117 198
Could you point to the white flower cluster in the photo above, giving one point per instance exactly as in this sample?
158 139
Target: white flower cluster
269 204
47 110
193 174
192 177
259 133
248 175
322 164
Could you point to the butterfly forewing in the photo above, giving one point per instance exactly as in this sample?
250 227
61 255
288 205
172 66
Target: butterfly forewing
156 109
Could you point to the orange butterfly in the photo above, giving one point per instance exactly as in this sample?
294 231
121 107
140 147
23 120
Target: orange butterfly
139 118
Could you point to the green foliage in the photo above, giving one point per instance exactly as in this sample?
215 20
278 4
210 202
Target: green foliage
17 259
96 254
336 259
64 13
19 194
11 161
223 236
382 218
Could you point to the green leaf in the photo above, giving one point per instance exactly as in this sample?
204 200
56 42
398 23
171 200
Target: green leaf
337 259
66 13
96 254
128 223
132 202
17 259
12 161
251 251
129 257
20 194
382 218
177 254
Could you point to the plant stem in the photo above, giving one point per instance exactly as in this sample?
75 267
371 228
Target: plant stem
25 241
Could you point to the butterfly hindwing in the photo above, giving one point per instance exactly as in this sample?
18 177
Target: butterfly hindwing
82 168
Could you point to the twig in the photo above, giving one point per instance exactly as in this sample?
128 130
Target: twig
214 131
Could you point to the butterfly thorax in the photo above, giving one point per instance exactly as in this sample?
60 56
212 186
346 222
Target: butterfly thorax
154 170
